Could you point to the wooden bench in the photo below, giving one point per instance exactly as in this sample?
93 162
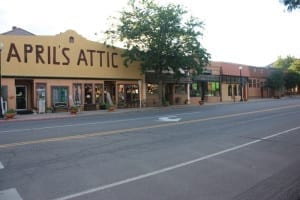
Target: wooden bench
89 107
60 107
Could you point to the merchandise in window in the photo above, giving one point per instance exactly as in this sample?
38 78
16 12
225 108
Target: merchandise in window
213 89
195 89
98 93
59 95
88 93
152 89
77 93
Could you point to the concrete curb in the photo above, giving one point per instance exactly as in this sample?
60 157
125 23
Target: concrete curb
46 116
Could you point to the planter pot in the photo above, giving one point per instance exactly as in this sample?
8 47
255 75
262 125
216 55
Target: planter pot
111 109
73 112
102 107
9 115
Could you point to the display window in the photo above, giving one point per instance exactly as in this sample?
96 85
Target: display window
59 95
88 93
77 94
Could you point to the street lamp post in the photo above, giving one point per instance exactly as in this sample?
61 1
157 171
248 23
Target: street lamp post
241 83
1 100
187 73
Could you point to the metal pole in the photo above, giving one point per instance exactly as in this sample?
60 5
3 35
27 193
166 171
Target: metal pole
188 89
241 85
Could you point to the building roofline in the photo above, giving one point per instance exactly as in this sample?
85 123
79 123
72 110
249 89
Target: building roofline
17 31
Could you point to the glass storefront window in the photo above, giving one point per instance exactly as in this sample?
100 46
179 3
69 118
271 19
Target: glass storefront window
234 90
4 93
98 93
180 89
229 90
121 95
195 89
59 95
131 95
152 88
88 93
77 94
128 95
213 89
250 83
41 92
41 97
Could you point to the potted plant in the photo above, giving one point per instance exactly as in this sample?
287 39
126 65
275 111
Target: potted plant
73 110
10 114
165 102
102 106
49 110
111 108
34 110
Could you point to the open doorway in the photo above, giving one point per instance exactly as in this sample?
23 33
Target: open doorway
21 97
110 92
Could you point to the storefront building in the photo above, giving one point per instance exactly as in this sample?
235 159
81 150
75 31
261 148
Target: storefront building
42 72
257 82
39 72
230 82
221 81
175 90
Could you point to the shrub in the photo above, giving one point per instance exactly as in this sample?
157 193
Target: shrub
10 111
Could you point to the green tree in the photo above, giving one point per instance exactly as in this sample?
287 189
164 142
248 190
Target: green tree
291 4
295 66
160 38
284 63
275 80
291 80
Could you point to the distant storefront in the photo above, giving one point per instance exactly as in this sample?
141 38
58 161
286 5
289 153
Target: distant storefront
175 89
220 82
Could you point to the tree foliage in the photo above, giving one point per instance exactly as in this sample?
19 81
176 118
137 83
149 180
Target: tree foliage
284 63
287 73
289 63
291 4
295 66
291 80
159 37
275 80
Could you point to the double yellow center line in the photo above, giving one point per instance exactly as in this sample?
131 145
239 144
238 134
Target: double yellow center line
87 135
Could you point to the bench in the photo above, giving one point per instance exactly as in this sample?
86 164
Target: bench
60 107
88 107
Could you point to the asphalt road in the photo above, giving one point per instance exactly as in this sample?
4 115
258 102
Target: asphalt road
247 150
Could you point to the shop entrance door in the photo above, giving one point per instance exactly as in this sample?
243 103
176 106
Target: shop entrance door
110 92
21 97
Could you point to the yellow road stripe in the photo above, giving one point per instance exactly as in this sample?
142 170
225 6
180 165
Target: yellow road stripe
58 139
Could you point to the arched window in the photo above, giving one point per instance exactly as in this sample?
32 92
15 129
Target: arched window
229 90
235 90
240 90
71 39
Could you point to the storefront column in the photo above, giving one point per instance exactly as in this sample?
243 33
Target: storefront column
188 93
144 93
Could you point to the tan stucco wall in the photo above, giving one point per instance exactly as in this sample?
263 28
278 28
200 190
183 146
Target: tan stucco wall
55 56
225 96
11 89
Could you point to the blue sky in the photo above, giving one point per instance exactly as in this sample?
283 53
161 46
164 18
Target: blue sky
252 32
